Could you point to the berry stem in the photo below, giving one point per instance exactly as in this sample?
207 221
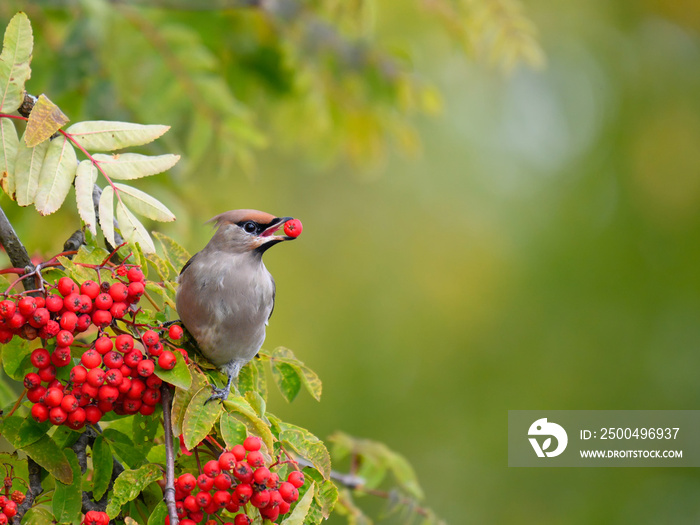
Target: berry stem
169 492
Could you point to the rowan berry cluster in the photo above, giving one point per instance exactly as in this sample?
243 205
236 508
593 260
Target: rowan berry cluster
8 506
114 372
94 517
235 482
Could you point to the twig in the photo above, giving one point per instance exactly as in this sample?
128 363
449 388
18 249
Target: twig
35 489
169 491
13 246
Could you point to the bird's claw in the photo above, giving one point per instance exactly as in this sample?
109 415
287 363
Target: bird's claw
218 393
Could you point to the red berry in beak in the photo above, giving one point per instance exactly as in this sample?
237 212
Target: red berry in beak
293 228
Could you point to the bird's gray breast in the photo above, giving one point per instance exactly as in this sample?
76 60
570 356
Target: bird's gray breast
225 301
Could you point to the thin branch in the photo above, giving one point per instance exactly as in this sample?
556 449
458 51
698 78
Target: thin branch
19 257
169 491
35 489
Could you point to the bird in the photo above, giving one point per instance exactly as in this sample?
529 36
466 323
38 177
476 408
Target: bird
226 295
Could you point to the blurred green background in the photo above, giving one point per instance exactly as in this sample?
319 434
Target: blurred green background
540 252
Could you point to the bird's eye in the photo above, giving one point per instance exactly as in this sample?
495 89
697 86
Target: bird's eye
250 226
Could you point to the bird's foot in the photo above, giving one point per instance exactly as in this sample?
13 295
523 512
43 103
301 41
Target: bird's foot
218 393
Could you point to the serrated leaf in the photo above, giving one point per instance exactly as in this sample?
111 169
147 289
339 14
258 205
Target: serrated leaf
155 288
143 204
56 176
252 378
30 431
102 464
158 515
132 230
179 376
85 179
232 431
163 267
173 251
104 135
307 446
38 516
15 358
287 379
200 417
14 62
326 496
106 214
239 408
182 398
129 484
45 119
123 446
68 497
47 454
27 170
302 508
130 166
9 143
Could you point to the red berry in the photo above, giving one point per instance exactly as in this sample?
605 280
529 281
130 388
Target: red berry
91 359
7 308
134 274
151 396
124 343
252 443
113 359
145 368
50 329
137 389
212 469
47 374
154 382
103 301
118 310
66 286
89 391
103 345
96 377
227 461
284 507
72 302
242 519
101 318
222 481
238 452
205 483
293 228
288 492
261 475
85 304
26 306
150 338
187 482
256 459
40 413
125 385
155 350
76 419
119 292
64 338
93 414
10 509
147 410
175 332
53 304
40 317
83 323
57 415
221 498
133 358
31 380
131 406
3 518
35 394
108 393
190 504
69 403
232 507
17 321
53 397
296 478
243 472
61 357
68 321
273 481
260 499
167 360
90 288
114 377
78 374
242 493
203 499
135 291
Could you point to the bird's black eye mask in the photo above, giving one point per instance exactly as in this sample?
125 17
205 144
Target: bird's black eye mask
252 227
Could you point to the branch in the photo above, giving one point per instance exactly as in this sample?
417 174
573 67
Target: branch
35 489
19 257
169 491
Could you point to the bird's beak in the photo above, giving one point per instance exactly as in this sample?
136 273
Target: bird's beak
274 226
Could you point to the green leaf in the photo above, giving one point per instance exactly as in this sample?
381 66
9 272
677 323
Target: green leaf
38 516
163 267
179 376
286 378
302 508
56 176
68 497
158 515
9 143
102 464
85 179
129 484
47 454
15 358
200 417
30 431
130 166
103 135
124 447
27 170
45 119
173 251
326 497
239 408
232 431
143 204
132 230
106 214
182 398
307 446
14 62
144 429
252 378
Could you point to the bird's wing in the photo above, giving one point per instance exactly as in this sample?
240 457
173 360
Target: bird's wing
274 292
188 263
